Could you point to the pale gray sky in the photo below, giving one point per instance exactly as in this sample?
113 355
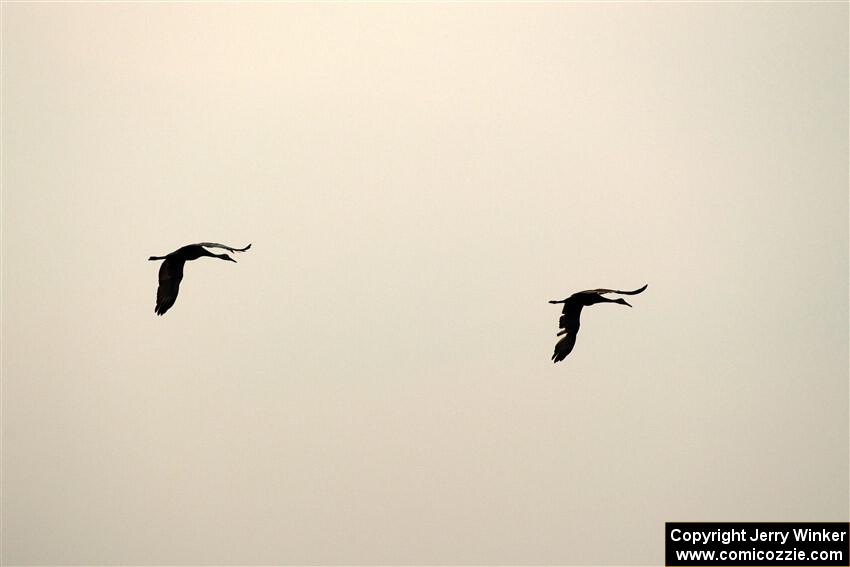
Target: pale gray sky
371 382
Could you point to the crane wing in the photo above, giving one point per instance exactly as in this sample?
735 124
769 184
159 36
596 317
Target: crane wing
569 320
634 292
214 245
170 274
564 347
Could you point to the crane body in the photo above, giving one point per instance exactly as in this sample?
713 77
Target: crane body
171 270
571 313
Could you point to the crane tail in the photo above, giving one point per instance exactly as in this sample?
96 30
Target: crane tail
216 245
634 292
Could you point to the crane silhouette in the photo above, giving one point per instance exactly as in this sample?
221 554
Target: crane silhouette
569 322
171 270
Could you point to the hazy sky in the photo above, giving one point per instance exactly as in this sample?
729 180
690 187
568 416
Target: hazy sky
371 382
